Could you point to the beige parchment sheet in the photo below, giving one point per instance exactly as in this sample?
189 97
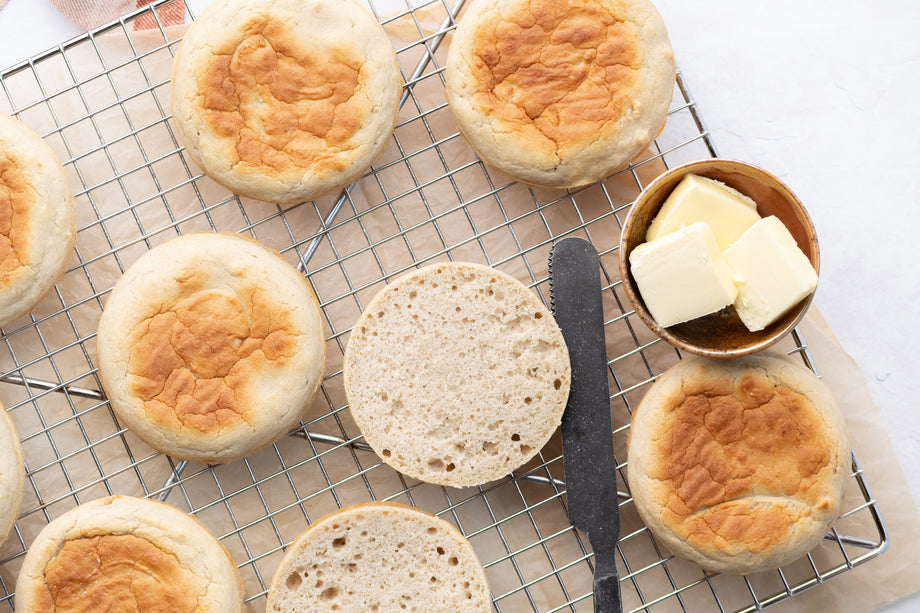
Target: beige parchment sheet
892 575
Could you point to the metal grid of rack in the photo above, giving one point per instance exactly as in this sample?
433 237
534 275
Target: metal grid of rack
101 102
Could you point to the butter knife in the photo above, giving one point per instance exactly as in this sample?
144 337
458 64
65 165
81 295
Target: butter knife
587 432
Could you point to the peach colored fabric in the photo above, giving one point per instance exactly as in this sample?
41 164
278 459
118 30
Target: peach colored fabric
93 13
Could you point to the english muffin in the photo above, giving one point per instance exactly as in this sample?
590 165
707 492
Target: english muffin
38 219
210 347
738 465
12 474
123 553
456 374
285 100
560 93
379 557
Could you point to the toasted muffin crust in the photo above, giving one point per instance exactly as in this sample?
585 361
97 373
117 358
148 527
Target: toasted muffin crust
285 100
191 361
210 347
123 553
738 465
37 219
16 198
94 574
560 94
559 76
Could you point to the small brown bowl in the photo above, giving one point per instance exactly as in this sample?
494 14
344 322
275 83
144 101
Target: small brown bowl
720 334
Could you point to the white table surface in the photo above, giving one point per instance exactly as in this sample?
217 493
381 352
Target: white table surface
824 94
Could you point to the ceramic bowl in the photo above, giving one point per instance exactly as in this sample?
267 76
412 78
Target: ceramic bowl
720 334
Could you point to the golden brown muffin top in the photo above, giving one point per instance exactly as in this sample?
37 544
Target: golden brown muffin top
189 361
116 572
724 443
557 71
288 107
16 197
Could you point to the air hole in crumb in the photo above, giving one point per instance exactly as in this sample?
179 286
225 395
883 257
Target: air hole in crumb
457 308
436 464
293 581
528 400
339 542
557 383
329 593
450 466
440 551
385 453
489 447
351 567
432 530
526 449
538 315
515 437
433 579
453 561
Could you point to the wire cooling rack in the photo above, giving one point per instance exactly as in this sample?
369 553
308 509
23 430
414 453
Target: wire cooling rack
101 102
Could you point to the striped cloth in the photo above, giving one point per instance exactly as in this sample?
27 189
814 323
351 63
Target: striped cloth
92 13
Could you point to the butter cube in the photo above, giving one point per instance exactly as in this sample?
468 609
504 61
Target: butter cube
727 211
682 276
771 272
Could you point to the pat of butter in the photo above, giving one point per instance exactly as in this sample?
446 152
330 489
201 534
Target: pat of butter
727 211
682 276
771 272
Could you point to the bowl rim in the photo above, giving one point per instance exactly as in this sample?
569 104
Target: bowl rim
635 298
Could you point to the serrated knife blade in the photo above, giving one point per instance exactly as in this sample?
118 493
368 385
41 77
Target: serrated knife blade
587 432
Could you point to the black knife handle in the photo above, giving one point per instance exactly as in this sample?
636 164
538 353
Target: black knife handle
606 585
